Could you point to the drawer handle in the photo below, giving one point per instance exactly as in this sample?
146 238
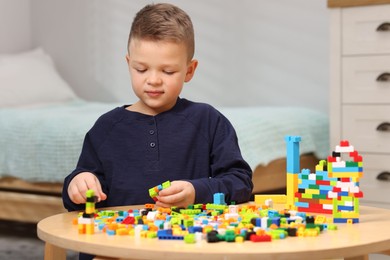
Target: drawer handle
384 27
383 127
385 76
383 176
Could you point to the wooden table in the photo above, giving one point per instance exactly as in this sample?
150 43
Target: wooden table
351 241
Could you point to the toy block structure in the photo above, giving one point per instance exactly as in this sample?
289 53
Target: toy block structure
332 189
86 221
293 168
346 193
153 192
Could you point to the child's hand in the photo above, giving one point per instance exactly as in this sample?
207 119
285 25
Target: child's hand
82 182
180 194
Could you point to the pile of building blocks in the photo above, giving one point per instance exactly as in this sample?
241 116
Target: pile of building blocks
212 222
313 203
332 189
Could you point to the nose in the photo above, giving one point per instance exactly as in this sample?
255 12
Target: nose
154 79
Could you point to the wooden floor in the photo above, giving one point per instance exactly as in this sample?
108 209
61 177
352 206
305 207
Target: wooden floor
19 241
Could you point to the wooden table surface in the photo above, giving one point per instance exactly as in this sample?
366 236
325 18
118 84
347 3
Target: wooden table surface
351 3
351 241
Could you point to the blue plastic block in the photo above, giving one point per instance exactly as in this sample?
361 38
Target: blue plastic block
345 220
347 169
302 204
345 208
219 199
293 159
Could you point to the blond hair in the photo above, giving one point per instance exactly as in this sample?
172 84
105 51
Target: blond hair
163 22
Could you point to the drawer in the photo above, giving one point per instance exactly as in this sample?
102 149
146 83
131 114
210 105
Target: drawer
375 190
366 79
359 126
359 30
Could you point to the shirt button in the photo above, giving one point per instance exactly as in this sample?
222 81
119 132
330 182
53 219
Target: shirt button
151 132
152 145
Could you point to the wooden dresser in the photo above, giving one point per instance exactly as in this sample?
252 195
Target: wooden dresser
360 89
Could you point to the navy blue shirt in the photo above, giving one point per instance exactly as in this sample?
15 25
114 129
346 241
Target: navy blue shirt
131 152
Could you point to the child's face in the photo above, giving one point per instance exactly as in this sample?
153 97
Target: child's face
158 71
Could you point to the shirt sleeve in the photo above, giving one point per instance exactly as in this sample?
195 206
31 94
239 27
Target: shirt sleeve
230 173
88 162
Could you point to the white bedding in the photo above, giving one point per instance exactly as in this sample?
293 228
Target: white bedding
43 143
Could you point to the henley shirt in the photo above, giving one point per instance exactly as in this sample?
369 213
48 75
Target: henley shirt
130 153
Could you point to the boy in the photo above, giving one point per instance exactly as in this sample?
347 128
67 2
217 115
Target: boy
160 137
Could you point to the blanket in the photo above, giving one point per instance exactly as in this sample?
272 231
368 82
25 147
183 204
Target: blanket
44 143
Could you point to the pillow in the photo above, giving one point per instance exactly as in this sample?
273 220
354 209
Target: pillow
29 79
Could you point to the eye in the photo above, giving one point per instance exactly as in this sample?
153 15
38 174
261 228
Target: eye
140 70
169 72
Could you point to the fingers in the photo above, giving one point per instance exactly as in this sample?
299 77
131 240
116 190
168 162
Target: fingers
173 189
171 199
81 183
75 194
180 193
97 188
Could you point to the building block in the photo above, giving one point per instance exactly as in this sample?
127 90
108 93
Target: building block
333 188
153 192
86 221
293 159
219 199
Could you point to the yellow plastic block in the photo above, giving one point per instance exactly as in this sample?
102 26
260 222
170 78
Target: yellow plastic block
239 239
81 228
320 219
345 174
122 231
312 191
89 229
349 214
292 187
325 201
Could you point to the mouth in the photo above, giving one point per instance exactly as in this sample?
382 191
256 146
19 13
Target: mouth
154 93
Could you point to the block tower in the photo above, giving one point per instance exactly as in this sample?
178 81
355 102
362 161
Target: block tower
346 193
86 221
332 189
293 168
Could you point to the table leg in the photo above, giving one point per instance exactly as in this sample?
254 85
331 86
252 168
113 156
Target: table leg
361 257
53 252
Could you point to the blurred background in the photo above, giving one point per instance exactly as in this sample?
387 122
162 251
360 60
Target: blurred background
250 52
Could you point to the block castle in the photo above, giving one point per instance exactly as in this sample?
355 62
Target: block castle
332 189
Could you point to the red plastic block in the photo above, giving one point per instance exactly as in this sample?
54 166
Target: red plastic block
260 238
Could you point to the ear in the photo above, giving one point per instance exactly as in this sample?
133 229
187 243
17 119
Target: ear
127 58
191 70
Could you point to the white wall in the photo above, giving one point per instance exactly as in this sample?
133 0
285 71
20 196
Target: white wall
250 52
15 29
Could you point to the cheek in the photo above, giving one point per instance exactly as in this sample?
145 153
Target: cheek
175 82
136 78
136 83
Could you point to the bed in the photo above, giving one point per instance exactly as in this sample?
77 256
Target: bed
43 124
